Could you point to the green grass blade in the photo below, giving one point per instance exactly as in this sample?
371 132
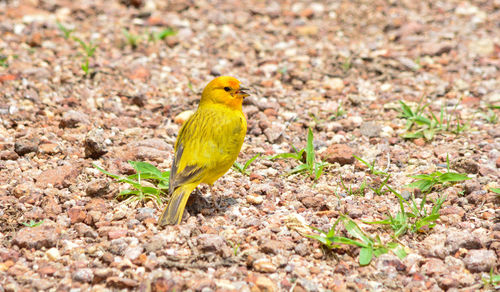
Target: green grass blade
150 190
423 185
452 177
422 176
399 251
345 240
415 135
163 185
146 168
320 238
318 230
310 151
296 156
406 110
421 120
247 164
318 170
380 251
299 168
383 222
362 161
238 166
165 33
144 176
353 229
426 221
365 256
106 172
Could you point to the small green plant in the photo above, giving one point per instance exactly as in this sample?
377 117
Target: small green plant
349 189
339 112
415 220
315 118
346 65
418 217
352 192
427 125
3 61
161 35
132 39
370 246
89 50
495 190
371 167
425 182
190 86
140 190
362 188
243 168
66 31
33 223
309 164
418 64
235 247
379 190
491 117
491 281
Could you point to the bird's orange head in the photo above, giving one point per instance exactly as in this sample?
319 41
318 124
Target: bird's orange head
224 90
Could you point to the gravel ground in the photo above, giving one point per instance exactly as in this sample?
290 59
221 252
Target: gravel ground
337 67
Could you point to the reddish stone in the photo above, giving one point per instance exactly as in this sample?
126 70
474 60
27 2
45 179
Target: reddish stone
308 12
469 100
7 77
47 269
434 267
162 285
121 282
149 221
340 153
96 204
49 148
37 237
59 177
36 40
76 214
51 207
254 176
139 73
419 142
270 112
156 21
8 155
267 83
117 233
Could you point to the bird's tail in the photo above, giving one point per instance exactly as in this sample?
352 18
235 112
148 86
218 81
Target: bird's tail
175 209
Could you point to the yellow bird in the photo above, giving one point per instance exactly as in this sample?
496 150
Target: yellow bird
208 143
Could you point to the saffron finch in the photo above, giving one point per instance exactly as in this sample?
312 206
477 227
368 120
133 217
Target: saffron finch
208 143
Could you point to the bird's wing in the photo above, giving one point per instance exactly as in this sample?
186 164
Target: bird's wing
207 145
189 174
189 163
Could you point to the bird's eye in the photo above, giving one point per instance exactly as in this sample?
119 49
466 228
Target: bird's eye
227 89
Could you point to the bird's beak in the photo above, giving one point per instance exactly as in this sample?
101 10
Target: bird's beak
243 92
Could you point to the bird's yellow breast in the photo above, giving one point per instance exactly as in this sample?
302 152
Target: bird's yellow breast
219 133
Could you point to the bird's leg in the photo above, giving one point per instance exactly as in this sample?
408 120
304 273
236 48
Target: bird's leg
214 198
